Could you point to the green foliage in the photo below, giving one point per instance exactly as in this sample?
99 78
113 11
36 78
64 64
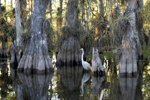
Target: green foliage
88 39
100 22
107 54
146 53
25 35
146 15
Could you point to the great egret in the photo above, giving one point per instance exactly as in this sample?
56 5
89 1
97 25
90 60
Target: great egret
85 64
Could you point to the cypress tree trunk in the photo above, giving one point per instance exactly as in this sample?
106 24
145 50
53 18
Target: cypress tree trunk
99 29
36 57
17 44
86 27
18 23
69 50
128 62
82 3
139 28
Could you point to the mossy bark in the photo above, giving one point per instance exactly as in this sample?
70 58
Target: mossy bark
69 53
36 58
128 61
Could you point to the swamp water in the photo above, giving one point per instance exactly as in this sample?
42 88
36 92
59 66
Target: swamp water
73 83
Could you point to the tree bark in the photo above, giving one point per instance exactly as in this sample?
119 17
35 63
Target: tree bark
16 46
82 3
128 61
89 7
36 58
101 7
18 23
50 9
139 28
97 67
69 51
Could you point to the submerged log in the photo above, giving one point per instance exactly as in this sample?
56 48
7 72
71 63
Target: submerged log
69 53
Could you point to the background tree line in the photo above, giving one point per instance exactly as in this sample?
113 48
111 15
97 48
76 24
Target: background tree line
82 23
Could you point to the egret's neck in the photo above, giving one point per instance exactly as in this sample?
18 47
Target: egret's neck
82 55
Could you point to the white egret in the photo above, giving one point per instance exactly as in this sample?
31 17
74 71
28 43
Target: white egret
85 64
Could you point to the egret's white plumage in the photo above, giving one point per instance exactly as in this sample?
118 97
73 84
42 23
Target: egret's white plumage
85 64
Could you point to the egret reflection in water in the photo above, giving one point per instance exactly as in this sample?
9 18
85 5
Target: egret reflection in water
85 78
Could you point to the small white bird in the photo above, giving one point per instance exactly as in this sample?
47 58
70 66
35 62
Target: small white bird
85 64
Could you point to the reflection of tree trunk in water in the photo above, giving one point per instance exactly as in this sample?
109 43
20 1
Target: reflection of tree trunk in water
139 28
69 51
96 85
128 88
36 58
128 61
69 82
34 87
139 93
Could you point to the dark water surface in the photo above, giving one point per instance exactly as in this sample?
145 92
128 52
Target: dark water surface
73 83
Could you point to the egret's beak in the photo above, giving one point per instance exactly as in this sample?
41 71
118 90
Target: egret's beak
80 49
